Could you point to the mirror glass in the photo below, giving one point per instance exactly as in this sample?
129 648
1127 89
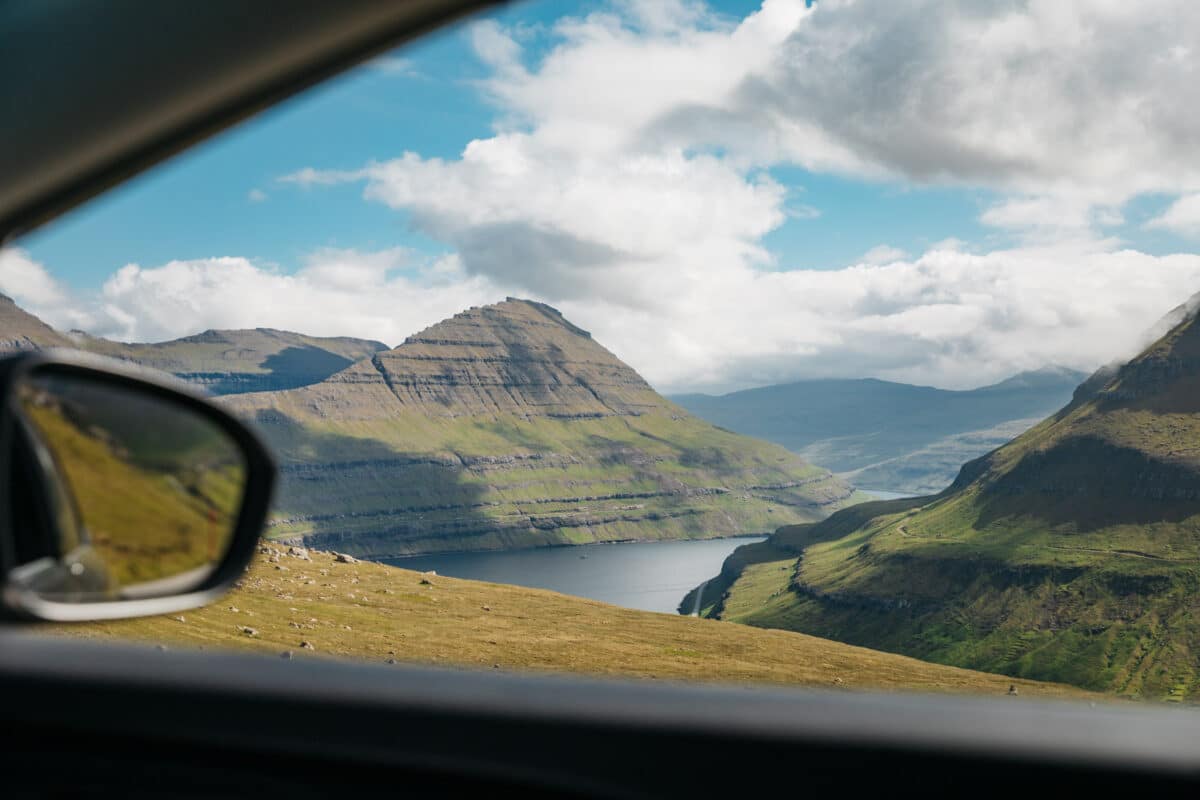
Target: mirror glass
143 491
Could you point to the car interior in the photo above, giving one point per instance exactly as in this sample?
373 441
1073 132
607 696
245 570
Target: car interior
94 94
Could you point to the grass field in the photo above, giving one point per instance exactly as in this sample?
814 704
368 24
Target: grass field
373 612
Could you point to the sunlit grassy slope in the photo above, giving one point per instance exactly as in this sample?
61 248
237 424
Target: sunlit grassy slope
374 612
149 514
1070 554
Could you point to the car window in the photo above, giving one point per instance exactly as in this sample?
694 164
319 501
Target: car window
830 344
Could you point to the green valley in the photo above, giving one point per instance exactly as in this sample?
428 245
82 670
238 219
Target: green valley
1070 554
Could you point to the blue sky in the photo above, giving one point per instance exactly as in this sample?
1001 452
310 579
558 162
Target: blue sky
945 201
199 204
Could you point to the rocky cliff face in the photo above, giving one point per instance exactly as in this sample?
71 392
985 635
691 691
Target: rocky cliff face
508 426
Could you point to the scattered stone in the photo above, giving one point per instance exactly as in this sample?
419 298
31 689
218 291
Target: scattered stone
246 629
162 648
307 645
234 609
429 572
342 558
426 582
487 608
179 619
293 624
286 655
347 628
390 661
1012 690
300 553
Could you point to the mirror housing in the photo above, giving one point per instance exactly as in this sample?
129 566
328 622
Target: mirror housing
123 491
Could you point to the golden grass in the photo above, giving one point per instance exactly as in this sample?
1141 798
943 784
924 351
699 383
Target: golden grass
373 612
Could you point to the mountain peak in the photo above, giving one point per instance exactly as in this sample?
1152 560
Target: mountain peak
516 356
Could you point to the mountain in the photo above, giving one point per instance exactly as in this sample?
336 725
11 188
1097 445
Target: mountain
889 436
1071 553
236 361
20 330
223 362
508 426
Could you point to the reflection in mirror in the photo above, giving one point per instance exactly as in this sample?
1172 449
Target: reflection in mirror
145 490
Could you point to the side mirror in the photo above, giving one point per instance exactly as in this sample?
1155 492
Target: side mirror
121 493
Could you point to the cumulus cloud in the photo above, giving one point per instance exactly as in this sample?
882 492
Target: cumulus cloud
627 182
882 254
27 281
379 295
949 317
1182 217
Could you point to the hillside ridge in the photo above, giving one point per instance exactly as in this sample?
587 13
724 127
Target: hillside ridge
1071 553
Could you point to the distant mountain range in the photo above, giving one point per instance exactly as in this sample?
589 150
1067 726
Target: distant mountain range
504 426
1071 553
223 362
889 436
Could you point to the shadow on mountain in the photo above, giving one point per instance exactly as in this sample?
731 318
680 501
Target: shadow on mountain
292 367
1090 483
367 498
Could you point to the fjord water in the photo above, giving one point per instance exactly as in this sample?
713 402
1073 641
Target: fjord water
651 576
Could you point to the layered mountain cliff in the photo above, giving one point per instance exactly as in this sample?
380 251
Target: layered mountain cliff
1071 553
508 426
890 436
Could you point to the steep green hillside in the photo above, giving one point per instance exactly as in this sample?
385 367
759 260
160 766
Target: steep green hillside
507 426
232 362
883 435
1070 554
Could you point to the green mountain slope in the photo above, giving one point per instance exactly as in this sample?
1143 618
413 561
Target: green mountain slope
883 435
235 361
1071 554
507 426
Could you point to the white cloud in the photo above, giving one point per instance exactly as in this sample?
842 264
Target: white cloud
949 317
882 254
27 281
1182 217
626 183
394 65
256 196
377 295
